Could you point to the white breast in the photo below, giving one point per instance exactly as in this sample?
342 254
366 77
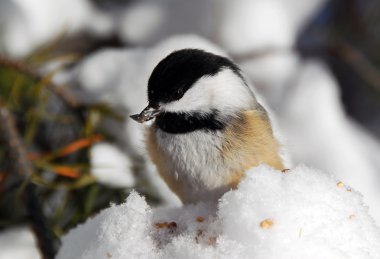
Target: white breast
195 162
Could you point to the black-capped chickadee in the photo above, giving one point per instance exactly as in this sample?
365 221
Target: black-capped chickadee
208 129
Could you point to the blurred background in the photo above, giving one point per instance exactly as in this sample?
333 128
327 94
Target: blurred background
72 71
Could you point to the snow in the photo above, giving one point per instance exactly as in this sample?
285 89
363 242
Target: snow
147 15
302 213
319 134
166 18
255 25
302 95
239 26
111 166
305 100
18 243
271 73
28 24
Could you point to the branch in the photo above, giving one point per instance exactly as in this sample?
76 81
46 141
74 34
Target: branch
22 167
23 68
358 62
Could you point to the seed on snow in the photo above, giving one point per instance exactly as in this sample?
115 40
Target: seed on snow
200 219
267 223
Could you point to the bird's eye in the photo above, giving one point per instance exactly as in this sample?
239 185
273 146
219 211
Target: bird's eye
179 93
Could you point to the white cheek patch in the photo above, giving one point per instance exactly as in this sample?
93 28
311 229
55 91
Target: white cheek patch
224 91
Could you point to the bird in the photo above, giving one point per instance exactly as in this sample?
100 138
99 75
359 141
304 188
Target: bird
206 126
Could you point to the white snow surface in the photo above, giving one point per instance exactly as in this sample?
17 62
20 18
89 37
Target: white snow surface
28 24
111 166
303 213
239 26
319 133
18 243
254 25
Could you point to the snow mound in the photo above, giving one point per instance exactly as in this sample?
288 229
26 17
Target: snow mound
320 134
302 213
240 26
111 166
27 24
18 243
254 25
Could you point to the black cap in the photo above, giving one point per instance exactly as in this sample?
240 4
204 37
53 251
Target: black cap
176 73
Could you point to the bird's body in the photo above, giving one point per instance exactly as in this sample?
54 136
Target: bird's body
208 129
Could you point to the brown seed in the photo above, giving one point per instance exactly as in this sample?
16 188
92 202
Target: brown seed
340 184
159 225
172 225
200 219
211 241
349 189
267 223
285 170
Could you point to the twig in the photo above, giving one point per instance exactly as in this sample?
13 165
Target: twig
60 91
10 136
22 167
358 62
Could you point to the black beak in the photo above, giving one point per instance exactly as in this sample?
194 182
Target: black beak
147 114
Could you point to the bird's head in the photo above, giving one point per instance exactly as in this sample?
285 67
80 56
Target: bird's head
192 82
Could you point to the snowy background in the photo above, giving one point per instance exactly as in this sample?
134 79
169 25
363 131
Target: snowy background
312 63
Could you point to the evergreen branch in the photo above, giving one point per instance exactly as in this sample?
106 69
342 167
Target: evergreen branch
26 69
23 169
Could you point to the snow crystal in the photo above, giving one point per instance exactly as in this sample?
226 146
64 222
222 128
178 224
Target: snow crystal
302 213
111 166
